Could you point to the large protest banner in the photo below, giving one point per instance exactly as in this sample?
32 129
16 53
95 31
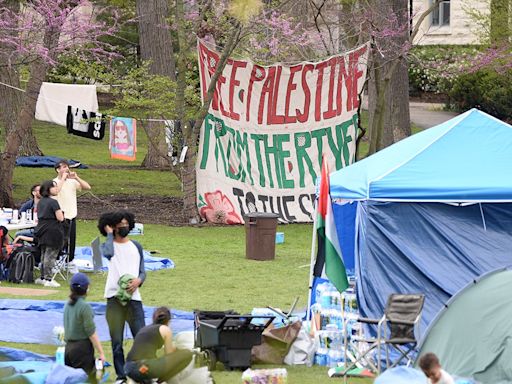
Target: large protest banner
262 141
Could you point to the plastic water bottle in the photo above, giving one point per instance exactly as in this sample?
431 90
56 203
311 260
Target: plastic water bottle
322 293
99 369
324 318
59 355
335 298
321 356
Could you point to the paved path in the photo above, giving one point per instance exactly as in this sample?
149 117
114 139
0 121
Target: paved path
426 115
27 291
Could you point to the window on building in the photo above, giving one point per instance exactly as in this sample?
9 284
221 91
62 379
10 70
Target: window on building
441 14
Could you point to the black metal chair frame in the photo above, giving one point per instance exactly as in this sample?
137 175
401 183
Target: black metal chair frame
399 328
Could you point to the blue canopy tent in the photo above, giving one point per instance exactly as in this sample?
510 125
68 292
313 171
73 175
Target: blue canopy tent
429 213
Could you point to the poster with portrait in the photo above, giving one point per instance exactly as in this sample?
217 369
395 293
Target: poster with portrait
123 138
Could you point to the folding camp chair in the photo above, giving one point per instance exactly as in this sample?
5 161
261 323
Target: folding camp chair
61 266
398 328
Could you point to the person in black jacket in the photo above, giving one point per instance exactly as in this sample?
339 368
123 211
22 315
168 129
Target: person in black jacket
142 365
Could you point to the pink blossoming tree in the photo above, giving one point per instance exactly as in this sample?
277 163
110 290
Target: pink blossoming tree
34 35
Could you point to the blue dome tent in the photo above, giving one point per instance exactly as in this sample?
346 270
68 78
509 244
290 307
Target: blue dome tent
428 214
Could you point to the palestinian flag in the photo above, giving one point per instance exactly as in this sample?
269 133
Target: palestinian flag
329 261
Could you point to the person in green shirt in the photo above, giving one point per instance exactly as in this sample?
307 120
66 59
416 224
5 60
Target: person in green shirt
79 329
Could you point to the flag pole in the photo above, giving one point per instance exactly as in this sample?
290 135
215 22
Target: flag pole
312 260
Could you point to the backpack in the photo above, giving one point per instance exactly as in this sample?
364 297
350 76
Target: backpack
21 266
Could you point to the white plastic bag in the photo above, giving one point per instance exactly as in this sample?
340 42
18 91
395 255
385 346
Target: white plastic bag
302 351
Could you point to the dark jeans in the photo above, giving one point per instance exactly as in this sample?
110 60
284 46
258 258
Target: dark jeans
163 368
80 354
70 233
117 315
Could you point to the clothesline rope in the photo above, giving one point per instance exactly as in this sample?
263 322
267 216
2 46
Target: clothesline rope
57 102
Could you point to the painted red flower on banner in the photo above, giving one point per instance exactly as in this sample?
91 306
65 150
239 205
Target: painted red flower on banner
219 209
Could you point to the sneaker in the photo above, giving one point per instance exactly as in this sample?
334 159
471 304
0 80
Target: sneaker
39 281
51 283
120 381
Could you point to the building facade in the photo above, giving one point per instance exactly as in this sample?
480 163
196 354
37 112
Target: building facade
450 22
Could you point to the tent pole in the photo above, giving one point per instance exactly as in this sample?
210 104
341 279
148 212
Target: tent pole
312 260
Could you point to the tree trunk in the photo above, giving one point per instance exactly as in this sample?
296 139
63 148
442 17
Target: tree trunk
156 47
14 137
188 178
29 145
24 118
157 156
10 98
388 87
191 134
181 62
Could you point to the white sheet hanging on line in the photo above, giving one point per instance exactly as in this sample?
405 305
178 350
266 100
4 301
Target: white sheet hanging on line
54 98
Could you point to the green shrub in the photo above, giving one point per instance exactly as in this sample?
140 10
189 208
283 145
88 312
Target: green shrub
485 89
433 69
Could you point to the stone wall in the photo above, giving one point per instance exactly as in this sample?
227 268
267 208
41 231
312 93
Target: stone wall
462 29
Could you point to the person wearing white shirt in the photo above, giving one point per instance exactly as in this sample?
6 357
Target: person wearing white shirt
68 183
431 367
125 257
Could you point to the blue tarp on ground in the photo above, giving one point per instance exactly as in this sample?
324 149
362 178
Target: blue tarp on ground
45 161
14 354
433 212
32 321
83 255
37 369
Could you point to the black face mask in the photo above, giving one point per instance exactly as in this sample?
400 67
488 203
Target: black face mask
123 231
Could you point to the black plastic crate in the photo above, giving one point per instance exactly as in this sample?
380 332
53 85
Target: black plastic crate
229 339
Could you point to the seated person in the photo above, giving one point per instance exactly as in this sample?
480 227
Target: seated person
142 365
31 205
21 239
429 364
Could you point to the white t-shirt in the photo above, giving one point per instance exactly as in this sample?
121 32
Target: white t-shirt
446 378
126 260
67 197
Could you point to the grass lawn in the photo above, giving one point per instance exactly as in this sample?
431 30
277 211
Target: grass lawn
211 270
212 273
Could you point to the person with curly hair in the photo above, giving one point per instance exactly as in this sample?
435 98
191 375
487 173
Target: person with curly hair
125 275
